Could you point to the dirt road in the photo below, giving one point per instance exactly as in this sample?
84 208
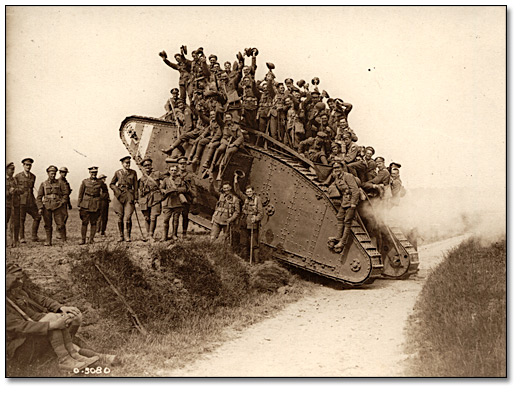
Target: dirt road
356 332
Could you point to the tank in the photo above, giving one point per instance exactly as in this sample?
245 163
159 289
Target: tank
299 215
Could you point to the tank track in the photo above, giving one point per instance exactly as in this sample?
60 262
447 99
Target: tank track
358 230
413 267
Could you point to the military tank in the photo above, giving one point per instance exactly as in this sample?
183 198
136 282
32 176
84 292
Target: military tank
299 215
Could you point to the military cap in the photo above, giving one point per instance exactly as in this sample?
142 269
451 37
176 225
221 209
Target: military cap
370 148
183 160
227 62
11 164
321 134
395 164
316 91
174 90
301 83
170 160
212 57
379 159
93 169
12 268
145 160
102 176
29 160
337 164
289 79
320 106
52 168
279 84
270 66
126 158
64 169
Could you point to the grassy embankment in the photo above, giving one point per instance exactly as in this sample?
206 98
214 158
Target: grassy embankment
190 296
458 328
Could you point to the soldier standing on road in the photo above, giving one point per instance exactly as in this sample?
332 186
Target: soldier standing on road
173 189
89 203
51 202
12 203
250 219
63 174
349 190
26 181
104 206
150 196
124 184
226 212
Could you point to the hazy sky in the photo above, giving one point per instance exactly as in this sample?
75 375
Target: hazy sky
427 84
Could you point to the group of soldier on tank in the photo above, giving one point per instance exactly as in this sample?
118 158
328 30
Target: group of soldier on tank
219 109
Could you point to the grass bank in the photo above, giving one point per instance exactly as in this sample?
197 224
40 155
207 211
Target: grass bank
190 296
458 328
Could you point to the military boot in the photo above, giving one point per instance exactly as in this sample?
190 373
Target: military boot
93 234
255 256
65 361
105 358
22 233
64 234
332 241
165 232
129 230
67 341
152 229
84 234
34 230
340 245
48 237
120 230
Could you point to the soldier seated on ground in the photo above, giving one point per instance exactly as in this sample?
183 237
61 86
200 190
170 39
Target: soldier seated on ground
314 148
33 320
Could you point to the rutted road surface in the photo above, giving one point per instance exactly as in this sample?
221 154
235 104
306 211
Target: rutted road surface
355 332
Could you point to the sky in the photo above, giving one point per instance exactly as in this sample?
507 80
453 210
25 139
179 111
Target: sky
427 84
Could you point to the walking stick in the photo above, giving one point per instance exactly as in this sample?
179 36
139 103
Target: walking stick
251 242
139 226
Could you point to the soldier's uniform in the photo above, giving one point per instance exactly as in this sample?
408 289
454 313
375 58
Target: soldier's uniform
250 221
26 181
263 111
349 190
315 148
12 205
89 198
190 196
172 189
226 211
184 67
124 184
105 200
52 200
277 116
231 142
212 135
68 205
249 101
150 198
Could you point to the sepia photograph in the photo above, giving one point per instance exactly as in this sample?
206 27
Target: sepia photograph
256 191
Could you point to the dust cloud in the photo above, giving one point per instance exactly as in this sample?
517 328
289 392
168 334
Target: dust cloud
441 213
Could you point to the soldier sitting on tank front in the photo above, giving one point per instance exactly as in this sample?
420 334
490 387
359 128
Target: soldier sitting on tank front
211 134
250 219
315 148
231 142
364 168
226 211
380 184
347 187
336 155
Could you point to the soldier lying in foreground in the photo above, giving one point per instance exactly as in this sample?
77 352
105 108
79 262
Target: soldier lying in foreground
32 319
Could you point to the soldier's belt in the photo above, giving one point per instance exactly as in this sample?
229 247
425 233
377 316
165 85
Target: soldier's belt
93 195
51 196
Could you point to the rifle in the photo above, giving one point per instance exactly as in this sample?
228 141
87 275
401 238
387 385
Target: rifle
134 317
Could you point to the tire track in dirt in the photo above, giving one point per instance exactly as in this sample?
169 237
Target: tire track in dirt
354 332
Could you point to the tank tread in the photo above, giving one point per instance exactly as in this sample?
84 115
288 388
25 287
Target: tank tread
408 247
358 231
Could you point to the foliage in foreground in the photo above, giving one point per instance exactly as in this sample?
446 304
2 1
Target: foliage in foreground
459 323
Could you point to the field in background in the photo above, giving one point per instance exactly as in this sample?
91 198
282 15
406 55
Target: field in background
458 328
